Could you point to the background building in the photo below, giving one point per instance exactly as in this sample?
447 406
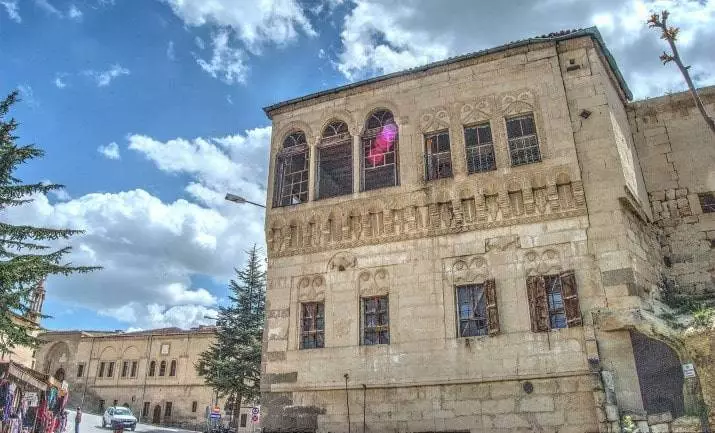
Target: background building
152 372
478 245
22 354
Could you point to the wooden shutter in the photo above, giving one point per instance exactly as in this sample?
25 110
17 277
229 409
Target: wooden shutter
492 311
570 296
538 304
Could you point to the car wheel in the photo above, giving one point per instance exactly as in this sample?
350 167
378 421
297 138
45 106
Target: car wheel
104 424
134 427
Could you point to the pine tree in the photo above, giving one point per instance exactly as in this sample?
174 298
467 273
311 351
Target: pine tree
26 259
232 364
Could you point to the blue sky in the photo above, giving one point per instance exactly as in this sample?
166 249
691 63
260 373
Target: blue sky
150 110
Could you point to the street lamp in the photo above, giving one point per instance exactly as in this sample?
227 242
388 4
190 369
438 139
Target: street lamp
238 199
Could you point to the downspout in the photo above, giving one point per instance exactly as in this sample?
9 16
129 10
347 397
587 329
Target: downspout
146 373
86 375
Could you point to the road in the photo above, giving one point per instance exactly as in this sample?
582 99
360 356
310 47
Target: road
93 424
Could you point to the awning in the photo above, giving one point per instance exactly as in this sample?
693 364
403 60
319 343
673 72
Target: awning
28 376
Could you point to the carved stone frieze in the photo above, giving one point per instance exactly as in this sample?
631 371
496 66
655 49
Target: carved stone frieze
476 111
468 269
342 261
434 119
374 282
502 243
542 262
311 288
517 102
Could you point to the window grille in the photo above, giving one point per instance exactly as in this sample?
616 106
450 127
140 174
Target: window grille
379 152
472 309
335 161
707 202
292 171
313 325
152 368
479 148
125 368
172 368
523 142
376 320
162 368
438 156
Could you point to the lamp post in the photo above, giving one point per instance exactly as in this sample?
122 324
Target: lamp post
238 199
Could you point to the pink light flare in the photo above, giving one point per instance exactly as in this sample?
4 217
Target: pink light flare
384 141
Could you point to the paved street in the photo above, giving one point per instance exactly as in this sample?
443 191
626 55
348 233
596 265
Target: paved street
93 424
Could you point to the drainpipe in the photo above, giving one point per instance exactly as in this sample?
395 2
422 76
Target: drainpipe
347 399
364 393
86 373
146 373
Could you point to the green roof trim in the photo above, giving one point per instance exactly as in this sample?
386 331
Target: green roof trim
551 37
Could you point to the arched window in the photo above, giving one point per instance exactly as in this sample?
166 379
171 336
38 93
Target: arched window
172 368
379 151
291 174
152 368
162 368
335 161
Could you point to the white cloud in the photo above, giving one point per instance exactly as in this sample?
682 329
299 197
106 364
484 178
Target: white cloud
12 10
48 7
276 21
27 95
199 42
74 13
60 82
61 194
227 63
152 250
110 151
170 53
229 99
378 37
104 78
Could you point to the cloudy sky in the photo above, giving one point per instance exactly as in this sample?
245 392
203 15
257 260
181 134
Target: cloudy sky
150 110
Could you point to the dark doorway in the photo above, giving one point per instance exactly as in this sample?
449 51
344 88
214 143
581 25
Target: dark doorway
660 375
60 374
101 406
156 419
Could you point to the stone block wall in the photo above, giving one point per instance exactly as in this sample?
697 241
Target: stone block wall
677 153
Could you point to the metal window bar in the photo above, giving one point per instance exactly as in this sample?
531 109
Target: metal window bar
523 141
557 311
335 169
707 202
292 177
479 146
472 311
312 325
379 167
438 156
376 320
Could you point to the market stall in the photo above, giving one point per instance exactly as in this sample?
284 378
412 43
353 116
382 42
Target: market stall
29 400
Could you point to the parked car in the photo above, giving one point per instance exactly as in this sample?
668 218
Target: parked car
115 416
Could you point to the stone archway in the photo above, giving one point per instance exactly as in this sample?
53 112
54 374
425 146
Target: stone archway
57 357
60 374
660 375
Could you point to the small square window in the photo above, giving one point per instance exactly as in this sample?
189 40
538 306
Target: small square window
707 202
376 320
194 406
80 370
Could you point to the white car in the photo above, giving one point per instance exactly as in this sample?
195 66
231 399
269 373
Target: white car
114 416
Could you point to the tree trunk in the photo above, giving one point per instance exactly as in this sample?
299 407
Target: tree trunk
234 412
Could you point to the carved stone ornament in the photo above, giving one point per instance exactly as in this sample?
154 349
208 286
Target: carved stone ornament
542 262
374 283
469 269
476 111
342 261
311 288
502 243
520 102
434 119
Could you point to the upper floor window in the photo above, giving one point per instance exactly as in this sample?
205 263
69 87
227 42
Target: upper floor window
335 161
707 202
110 369
477 309
80 370
376 320
172 368
134 369
553 301
379 151
438 157
291 181
523 142
102 366
479 148
162 368
125 368
152 368
312 331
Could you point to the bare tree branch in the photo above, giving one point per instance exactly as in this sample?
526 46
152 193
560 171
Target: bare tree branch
670 34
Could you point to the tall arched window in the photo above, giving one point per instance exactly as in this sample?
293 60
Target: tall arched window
172 368
152 368
335 161
162 368
291 174
379 151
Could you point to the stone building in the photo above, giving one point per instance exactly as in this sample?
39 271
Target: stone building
152 372
477 245
31 321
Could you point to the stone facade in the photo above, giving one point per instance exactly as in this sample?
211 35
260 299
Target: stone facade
581 211
25 355
80 356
